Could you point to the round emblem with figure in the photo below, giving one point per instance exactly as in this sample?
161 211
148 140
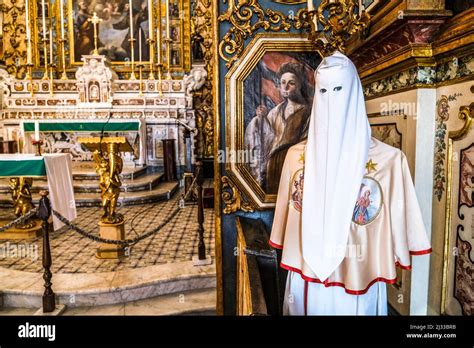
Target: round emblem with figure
369 202
297 189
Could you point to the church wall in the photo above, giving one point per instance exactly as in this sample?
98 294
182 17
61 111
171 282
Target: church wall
450 99
454 96
406 112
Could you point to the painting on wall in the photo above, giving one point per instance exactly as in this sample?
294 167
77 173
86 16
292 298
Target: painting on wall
269 111
113 30
277 114
388 134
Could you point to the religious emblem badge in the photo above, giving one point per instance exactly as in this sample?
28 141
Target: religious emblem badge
297 189
369 202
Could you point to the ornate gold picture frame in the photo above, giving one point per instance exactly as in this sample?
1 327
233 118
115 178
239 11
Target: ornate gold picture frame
257 99
113 31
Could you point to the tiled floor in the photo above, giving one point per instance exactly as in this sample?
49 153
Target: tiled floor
73 253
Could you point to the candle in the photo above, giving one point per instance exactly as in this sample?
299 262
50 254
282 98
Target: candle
167 19
315 18
43 14
150 19
28 33
140 44
51 46
61 9
131 18
158 44
37 132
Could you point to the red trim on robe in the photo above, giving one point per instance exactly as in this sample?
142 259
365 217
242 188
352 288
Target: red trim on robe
421 252
328 284
406 268
275 245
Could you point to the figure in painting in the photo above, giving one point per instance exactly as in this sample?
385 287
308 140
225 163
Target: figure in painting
271 132
361 212
113 31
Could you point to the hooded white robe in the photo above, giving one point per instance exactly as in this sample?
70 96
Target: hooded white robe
351 229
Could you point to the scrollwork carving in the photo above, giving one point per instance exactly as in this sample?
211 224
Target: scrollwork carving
14 32
246 17
341 23
232 198
202 23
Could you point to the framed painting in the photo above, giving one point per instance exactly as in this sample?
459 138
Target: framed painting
114 29
270 95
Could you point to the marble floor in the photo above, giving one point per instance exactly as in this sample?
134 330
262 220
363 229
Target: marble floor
72 253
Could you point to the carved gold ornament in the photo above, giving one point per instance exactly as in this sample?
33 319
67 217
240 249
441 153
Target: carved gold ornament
232 198
341 23
241 15
14 42
202 22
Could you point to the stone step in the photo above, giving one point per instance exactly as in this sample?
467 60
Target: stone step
75 290
143 183
86 171
193 302
162 191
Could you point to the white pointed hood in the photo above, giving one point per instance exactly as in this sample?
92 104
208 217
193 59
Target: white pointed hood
335 158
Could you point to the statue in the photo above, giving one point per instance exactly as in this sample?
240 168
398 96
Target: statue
195 80
21 196
109 169
197 41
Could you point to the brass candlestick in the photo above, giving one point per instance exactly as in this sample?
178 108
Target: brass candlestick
29 76
37 144
140 75
63 50
51 85
132 53
168 57
151 42
45 52
159 68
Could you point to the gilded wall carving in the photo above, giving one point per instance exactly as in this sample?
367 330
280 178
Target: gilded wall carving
247 17
203 100
14 29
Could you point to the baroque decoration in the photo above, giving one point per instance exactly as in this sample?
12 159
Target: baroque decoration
457 237
341 23
247 17
13 34
203 95
440 144
232 198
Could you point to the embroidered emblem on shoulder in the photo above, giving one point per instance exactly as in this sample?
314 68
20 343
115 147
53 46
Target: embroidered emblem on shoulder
369 202
297 183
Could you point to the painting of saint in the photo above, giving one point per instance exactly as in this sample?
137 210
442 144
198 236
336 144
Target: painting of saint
114 29
368 203
278 111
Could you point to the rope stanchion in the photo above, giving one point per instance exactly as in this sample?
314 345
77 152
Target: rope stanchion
125 242
19 221
44 212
